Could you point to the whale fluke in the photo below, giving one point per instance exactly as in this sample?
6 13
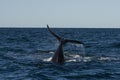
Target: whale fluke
58 56
73 41
55 35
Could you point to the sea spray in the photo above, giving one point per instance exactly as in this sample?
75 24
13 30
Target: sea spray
81 51
74 52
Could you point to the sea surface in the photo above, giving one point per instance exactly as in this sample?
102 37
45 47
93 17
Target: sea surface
25 54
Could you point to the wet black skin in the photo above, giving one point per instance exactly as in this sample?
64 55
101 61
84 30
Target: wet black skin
59 56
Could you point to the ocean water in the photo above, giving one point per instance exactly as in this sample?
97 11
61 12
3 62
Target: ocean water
25 54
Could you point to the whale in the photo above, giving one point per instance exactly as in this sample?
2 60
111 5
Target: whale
58 56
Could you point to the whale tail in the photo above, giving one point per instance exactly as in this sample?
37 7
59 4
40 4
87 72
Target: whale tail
58 56
62 39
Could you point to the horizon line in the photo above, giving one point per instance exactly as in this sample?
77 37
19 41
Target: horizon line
51 27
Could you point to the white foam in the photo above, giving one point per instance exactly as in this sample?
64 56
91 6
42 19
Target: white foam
47 59
72 60
87 59
51 52
107 58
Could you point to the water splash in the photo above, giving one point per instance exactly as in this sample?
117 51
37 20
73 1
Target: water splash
75 53
82 49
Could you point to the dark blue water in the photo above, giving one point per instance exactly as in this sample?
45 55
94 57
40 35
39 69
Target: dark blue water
25 54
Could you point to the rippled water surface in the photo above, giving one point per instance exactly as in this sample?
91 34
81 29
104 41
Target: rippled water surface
25 54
